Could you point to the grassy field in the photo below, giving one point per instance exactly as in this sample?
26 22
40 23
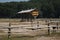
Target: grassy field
17 38
54 36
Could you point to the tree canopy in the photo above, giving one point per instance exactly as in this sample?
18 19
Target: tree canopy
47 8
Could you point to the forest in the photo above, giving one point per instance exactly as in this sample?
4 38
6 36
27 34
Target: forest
47 8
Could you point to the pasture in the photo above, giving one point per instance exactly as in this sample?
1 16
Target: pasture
24 32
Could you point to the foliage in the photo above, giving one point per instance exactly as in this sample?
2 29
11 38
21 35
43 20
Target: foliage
47 8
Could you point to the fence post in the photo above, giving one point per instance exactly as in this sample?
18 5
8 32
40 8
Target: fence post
57 25
9 32
48 29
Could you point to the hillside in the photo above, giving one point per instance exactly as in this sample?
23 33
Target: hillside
47 8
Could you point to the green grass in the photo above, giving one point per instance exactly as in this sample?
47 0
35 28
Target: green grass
5 37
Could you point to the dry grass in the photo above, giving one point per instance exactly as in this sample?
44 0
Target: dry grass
40 34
